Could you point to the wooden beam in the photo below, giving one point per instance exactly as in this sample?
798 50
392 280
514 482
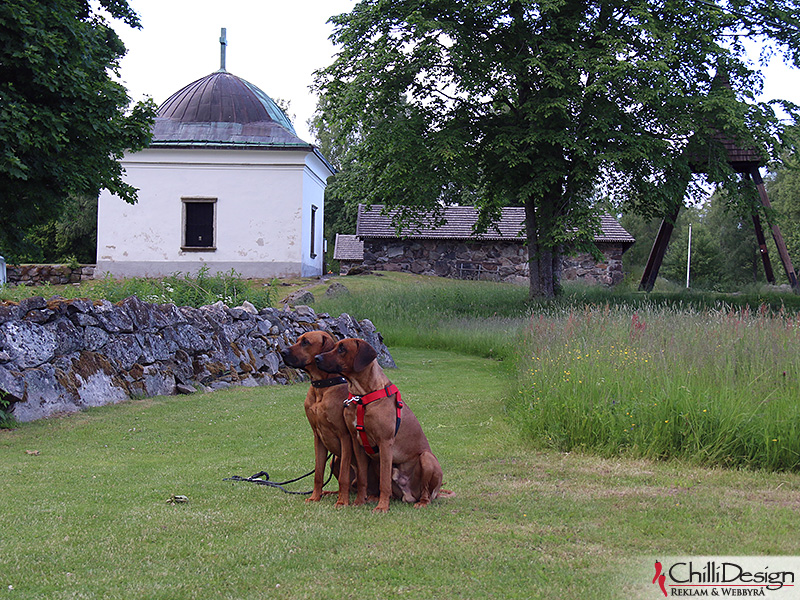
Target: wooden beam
762 249
658 250
776 232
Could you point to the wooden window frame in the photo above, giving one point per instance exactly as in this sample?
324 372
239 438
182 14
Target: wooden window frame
198 200
313 250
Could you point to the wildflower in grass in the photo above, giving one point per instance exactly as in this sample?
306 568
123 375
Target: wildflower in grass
638 326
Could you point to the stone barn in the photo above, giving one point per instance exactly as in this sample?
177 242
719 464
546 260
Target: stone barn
453 250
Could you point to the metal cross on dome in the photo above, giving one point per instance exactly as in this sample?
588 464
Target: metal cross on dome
223 43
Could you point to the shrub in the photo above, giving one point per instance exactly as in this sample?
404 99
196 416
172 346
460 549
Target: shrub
186 289
7 421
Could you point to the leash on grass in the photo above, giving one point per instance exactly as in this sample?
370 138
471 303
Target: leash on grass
262 478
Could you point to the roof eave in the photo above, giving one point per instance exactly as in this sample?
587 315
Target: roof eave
320 156
228 145
474 239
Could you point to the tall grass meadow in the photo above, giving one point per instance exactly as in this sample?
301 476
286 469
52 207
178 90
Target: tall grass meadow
588 374
712 386
709 379
472 317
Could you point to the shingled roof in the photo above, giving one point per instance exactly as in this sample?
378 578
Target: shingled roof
741 158
348 247
459 223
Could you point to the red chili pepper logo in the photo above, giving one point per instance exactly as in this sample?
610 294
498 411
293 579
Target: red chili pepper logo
660 577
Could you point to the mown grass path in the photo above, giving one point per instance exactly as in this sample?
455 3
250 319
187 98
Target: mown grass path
85 514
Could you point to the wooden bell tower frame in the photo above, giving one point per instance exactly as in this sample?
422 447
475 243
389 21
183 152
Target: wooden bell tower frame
746 162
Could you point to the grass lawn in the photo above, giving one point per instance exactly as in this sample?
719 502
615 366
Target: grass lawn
85 512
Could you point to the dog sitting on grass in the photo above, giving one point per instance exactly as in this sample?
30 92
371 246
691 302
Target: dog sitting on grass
382 428
324 408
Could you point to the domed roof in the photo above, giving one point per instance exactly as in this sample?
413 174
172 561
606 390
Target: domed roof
222 97
222 109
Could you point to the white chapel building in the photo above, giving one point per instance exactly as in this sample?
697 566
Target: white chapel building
224 183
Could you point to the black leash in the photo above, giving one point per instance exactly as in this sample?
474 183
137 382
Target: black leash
257 479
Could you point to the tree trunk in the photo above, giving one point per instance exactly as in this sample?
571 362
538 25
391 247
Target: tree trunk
542 260
543 269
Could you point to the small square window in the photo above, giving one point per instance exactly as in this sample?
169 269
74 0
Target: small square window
199 223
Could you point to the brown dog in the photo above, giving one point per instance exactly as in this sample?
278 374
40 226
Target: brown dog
390 433
324 409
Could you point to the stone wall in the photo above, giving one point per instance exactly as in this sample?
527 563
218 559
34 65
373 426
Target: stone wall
54 274
585 267
59 356
494 260
502 261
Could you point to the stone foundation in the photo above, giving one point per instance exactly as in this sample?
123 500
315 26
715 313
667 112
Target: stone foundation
497 261
584 267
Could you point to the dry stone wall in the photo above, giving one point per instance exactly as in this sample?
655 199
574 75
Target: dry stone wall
59 356
53 274
499 260
502 261
585 267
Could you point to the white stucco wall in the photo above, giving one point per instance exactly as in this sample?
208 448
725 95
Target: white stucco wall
313 195
263 203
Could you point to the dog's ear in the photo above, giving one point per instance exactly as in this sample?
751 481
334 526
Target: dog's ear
327 342
365 354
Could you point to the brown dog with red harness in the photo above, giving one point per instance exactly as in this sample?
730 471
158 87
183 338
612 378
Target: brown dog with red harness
324 409
383 428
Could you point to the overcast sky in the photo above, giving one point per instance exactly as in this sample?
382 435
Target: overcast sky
275 45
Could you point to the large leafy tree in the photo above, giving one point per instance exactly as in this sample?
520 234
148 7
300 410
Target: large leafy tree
340 216
548 105
735 244
69 238
64 121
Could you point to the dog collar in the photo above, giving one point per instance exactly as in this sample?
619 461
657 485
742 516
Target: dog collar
324 383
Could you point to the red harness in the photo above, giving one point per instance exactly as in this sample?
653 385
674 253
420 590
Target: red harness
362 402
